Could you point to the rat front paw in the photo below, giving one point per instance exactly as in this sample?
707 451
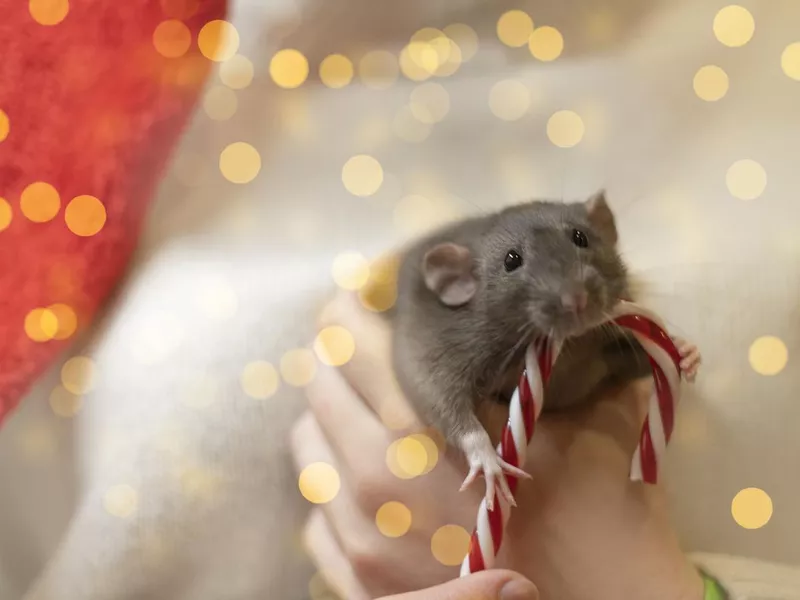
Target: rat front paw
690 358
483 459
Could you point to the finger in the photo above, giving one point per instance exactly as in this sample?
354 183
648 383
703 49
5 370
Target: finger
328 557
370 371
340 412
487 585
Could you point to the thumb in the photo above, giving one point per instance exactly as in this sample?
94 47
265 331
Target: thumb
486 585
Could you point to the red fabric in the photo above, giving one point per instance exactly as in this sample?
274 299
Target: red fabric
93 109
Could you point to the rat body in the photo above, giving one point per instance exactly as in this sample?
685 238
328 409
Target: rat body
473 295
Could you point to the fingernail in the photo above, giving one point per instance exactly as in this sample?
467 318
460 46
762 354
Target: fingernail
519 589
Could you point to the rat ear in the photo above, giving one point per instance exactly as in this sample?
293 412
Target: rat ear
601 217
448 272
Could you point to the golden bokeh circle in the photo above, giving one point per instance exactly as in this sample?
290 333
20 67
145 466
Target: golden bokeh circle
40 202
768 355
393 519
5 125
41 324
6 214
378 69
362 175
430 102
288 68
67 320
565 129
218 40
450 544
710 83
746 179
465 38
734 26
85 215
509 100
336 71
319 483
546 43
239 162
172 38
260 380
379 294
751 508
350 270
514 28
79 374
334 346
237 72
412 456
48 12
409 67
64 403
121 501
431 451
298 367
790 63
220 103
453 62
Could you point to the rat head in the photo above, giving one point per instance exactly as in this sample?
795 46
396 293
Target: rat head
542 266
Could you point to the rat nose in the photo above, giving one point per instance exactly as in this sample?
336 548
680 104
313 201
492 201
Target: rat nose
575 301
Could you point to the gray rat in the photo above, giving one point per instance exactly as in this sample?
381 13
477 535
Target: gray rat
472 295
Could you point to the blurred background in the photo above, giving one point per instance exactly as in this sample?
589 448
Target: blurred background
327 134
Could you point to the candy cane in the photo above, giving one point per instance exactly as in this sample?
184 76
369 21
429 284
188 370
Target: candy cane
527 402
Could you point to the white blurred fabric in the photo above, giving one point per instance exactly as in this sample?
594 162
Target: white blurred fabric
721 271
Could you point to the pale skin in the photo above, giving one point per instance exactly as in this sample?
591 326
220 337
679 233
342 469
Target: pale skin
582 530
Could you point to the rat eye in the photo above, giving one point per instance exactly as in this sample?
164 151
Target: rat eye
513 261
579 239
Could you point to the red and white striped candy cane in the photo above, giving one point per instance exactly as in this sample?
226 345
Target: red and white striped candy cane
527 402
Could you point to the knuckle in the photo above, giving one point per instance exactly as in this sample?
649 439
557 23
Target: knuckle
368 490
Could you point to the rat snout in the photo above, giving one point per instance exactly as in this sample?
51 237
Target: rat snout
575 300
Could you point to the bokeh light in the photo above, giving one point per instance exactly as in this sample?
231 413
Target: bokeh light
509 99
734 26
335 346
393 519
565 129
378 69
452 63
40 202
48 12
410 68
752 508
298 367
218 40
5 125
79 374
172 38
514 28
408 128
260 380
288 68
220 103
450 544
64 403
6 214
319 483
412 456
41 325
67 320
350 270
546 43
336 71
710 83
465 38
790 63
121 501
430 102
768 355
236 72
239 162
85 215
362 175
746 179
380 292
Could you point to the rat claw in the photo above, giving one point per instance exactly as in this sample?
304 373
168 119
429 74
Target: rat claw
512 470
506 491
490 491
471 477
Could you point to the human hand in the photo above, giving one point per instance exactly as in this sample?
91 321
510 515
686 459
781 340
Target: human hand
488 585
582 529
